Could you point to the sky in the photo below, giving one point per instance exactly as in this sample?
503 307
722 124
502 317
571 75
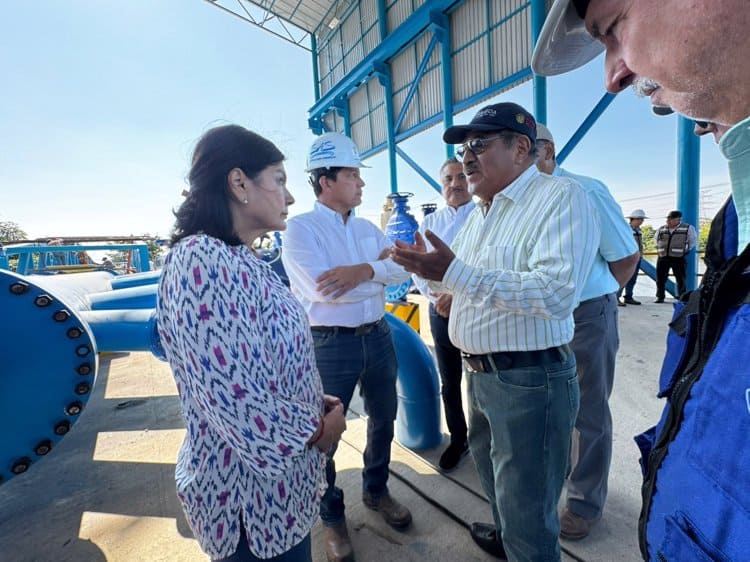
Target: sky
102 102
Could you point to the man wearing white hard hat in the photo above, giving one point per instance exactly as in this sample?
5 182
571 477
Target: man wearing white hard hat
595 343
338 267
635 219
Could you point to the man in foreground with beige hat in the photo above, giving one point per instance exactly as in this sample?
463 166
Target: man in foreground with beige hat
689 57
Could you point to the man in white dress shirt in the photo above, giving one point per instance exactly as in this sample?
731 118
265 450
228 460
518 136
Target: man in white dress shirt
446 223
338 267
516 270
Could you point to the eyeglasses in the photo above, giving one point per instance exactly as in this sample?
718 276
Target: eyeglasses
477 146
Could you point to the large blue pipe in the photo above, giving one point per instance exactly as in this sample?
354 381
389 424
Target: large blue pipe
57 325
143 296
135 280
49 343
49 363
418 418
124 330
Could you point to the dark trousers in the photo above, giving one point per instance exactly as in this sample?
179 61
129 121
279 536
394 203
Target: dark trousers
451 370
629 286
595 346
678 267
302 552
343 361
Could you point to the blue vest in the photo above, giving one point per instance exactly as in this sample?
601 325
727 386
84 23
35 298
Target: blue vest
696 460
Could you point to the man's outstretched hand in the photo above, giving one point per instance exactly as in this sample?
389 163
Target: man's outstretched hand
415 258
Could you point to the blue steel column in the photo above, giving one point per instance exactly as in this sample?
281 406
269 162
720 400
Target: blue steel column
538 16
384 77
382 20
443 31
688 166
341 106
316 76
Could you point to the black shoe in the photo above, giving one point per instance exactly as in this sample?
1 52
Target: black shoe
631 301
659 301
452 456
486 538
620 303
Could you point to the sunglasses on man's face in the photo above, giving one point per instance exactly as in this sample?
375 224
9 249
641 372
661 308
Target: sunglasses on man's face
477 146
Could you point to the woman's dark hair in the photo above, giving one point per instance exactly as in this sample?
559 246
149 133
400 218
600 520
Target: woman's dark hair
206 205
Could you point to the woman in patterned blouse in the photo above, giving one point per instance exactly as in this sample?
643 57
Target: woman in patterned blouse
250 471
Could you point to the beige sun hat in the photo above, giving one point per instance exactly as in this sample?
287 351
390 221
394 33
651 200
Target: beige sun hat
564 44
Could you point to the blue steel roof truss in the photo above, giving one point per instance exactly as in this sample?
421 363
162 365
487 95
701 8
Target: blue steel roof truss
332 107
372 67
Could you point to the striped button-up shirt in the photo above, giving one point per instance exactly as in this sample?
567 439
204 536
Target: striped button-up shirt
446 223
520 268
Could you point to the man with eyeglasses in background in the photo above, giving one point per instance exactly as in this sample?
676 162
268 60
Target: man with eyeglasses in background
515 270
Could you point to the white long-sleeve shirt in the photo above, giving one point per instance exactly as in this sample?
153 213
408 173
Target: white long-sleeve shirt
446 223
320 240
519 270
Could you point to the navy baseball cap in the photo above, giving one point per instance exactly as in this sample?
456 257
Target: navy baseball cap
495 117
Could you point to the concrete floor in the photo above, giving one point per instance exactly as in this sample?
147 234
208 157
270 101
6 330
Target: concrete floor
107 491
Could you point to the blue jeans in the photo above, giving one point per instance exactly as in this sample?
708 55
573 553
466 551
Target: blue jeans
343 360
302 552
520 423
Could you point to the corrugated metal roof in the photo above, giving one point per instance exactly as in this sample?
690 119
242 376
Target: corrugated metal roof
292 20
306 14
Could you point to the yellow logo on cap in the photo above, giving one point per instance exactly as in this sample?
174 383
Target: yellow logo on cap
520 118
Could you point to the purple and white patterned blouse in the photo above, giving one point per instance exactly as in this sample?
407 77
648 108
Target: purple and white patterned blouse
241 351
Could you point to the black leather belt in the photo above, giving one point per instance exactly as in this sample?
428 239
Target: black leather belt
504 360
361 330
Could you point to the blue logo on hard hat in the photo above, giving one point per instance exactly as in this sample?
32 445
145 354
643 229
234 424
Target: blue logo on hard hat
325 150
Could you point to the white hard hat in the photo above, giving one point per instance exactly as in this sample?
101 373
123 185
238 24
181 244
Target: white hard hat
333 150
638 214
564 44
